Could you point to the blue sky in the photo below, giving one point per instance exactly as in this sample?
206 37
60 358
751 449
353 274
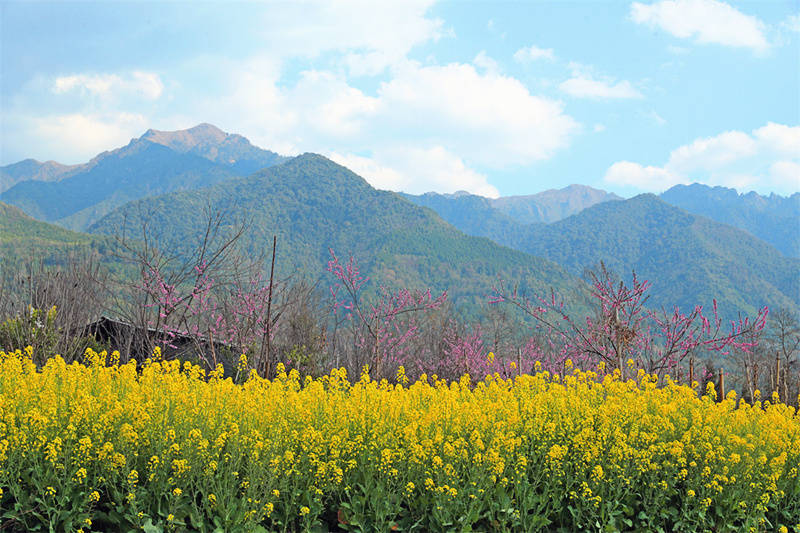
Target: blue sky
491 97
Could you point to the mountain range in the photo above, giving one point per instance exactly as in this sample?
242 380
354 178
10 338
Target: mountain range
155 163
693 243
689 258
547 206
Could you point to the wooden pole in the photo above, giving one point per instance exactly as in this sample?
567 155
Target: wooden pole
778 374
721 391
268 358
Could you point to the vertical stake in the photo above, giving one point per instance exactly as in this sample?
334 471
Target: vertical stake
266 341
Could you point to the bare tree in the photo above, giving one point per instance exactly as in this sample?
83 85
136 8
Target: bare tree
54 303
783 339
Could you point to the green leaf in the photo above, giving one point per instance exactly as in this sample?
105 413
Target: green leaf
149 527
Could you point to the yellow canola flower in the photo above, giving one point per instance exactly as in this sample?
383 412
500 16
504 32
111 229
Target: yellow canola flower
279 445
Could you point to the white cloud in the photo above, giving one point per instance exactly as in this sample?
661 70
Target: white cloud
482 119
327 102
74 137
486 63
140 84
586 83
417 170
768 159
782 139
713 152
583 86
427 126
786 174
71 118
635 175
493 118
706 21
372 35
792 23
534 53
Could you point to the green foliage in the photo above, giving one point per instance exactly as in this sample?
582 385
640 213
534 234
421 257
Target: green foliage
689 259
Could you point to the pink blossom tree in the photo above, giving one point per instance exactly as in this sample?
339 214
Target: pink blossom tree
381 327
623 327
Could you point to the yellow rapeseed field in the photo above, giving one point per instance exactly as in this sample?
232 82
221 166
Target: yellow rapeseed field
163 446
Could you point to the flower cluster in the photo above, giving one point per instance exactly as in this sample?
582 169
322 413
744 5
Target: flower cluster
166 445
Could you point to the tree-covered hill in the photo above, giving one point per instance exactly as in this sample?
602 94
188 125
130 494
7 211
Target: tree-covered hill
689 259
774 218
474 215
313 204
24 240
140 169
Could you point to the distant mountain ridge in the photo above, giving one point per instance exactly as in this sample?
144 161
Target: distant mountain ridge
774 218
694 242
157 162
551 205
30 169
544 207
208 141
140 169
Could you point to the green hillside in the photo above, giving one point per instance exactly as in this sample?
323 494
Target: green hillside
313 204
24 239
774 218
690 259
474 215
